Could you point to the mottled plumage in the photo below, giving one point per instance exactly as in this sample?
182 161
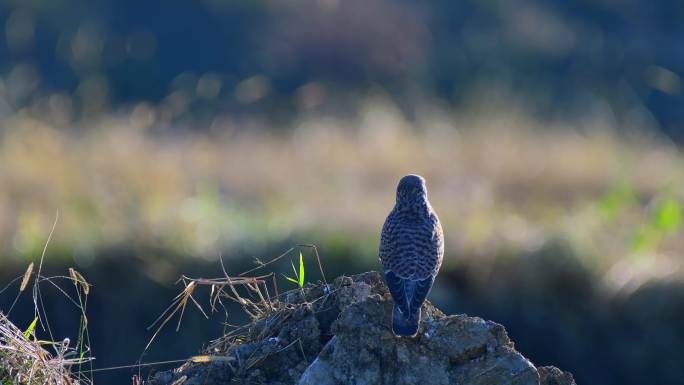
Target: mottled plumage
411 250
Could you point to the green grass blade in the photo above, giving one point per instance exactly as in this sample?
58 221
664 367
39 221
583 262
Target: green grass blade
31 328
301 270
291 279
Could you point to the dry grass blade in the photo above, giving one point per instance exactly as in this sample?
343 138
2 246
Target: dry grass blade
78 279
252 294
25 362
24 359
37 297
208 358
27 277
178 304
24 283
252 285
261 265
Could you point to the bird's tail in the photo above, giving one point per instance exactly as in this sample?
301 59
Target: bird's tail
405 324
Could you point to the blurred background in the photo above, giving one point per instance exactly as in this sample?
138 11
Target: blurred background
169 133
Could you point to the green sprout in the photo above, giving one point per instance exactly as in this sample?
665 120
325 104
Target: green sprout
31 328
299 277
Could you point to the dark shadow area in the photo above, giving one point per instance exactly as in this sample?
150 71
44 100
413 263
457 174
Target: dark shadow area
551 309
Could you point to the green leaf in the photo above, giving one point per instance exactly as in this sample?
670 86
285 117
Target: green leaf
31 328
296 278
301 270
291 279
299 276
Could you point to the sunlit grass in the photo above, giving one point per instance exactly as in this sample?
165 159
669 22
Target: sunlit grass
501 183
298 277
26 359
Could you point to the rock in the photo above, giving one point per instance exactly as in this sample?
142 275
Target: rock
551 375
341 335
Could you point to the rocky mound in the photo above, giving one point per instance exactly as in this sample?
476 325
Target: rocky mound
341 334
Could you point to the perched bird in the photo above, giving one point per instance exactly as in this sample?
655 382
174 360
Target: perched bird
411 250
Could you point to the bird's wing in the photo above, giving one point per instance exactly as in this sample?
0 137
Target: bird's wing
387 240
397 287
436 245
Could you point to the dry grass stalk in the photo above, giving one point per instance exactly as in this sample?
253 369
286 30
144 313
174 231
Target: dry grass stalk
24 361
250 292
23 358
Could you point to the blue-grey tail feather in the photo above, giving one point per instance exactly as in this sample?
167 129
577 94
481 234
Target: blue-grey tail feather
420 292
405 324
408 296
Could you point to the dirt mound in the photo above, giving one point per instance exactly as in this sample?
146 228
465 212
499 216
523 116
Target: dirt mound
341 334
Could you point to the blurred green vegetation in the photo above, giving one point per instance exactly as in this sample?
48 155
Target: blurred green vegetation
198 195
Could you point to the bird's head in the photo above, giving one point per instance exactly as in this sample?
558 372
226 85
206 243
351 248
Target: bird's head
411 189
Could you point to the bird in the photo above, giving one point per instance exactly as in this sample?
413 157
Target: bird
411 251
